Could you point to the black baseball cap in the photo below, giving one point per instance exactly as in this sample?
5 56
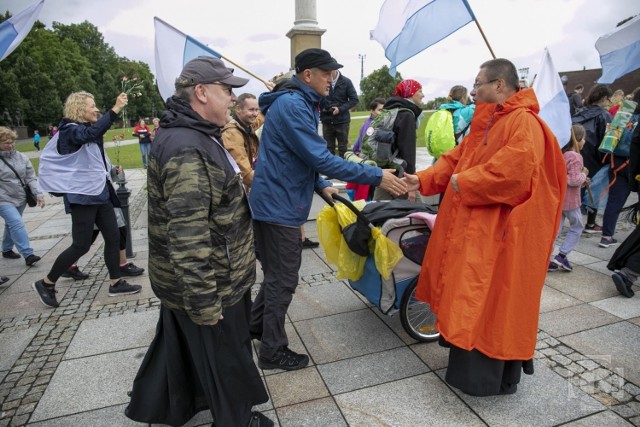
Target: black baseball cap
315 58
207 70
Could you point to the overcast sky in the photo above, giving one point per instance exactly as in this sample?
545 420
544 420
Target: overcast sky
253 33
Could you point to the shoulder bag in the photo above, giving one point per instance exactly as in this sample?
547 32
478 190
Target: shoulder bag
32 200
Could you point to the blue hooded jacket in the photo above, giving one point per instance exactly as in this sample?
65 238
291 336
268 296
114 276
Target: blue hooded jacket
292 155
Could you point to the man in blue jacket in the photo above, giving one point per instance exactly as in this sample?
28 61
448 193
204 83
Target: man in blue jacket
291 158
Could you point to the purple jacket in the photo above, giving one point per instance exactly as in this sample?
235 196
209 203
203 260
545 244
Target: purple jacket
357 146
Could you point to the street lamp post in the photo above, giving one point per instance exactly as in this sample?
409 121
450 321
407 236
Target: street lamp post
361 57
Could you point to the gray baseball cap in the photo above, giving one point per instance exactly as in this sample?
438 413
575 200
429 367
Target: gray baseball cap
207 70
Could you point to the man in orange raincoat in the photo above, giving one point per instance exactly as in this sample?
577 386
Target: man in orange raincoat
486 263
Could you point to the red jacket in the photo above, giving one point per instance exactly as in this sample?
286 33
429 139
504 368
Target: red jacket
487 259
143 133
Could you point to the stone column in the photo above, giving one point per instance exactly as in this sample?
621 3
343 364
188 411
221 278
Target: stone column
305 33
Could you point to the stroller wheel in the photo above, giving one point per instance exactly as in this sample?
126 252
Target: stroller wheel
416 316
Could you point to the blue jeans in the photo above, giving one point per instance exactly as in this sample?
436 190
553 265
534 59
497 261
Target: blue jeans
576 225
145 147
15 233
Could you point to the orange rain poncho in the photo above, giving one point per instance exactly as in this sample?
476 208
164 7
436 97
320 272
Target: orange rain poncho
487 259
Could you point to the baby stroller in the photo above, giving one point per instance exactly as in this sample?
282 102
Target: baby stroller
404 223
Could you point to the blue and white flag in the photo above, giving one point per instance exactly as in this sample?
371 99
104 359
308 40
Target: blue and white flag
173 49
619 51
407 27
552 99
16 28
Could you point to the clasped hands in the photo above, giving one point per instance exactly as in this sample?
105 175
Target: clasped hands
412 182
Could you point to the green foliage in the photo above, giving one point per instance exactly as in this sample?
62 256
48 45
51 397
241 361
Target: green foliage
52 63
377 84
434 104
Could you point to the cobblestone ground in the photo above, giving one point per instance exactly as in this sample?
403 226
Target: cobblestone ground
592 375
29 377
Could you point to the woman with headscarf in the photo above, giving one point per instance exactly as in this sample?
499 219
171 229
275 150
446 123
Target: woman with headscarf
407 97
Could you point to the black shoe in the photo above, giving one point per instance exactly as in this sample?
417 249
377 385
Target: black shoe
123 288
284 359
10 254
623 285
309 244
3 280
258 419
130 269
31 259
46 293
75 273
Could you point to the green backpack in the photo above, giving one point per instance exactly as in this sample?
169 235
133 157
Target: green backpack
438 133
379 141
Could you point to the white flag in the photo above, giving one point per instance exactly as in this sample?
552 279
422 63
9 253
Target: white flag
553 101
619 51
407 27
16 28
173 49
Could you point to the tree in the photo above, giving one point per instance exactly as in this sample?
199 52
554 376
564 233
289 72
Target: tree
101 57
50 64
434 104
378 84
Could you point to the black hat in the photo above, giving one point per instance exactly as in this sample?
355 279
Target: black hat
207 70
315 58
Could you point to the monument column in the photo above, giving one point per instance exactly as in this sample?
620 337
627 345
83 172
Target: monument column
305 33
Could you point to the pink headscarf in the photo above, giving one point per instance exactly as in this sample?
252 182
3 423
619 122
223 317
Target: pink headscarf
407 88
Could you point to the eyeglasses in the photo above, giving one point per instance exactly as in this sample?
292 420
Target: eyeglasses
477 85
226 87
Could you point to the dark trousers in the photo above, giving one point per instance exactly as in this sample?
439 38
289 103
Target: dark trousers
332 132
123 237
618 194
83 217
280 250
479 375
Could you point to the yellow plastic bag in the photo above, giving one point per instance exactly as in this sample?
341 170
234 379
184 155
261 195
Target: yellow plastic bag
350 265
386 254
329 233
331 220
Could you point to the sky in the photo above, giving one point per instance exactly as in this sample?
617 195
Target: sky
252 33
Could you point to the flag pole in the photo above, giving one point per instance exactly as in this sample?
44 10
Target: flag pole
484 37
243 69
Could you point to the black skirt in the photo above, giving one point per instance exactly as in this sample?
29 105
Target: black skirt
477 374
189 368
627 254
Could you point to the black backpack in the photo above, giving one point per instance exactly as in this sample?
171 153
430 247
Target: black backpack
593 121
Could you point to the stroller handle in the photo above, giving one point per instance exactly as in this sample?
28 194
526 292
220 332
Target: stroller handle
348 204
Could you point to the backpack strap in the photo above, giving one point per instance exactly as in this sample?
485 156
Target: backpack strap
615 174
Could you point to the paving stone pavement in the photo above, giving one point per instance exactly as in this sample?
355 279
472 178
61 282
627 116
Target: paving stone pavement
73 366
